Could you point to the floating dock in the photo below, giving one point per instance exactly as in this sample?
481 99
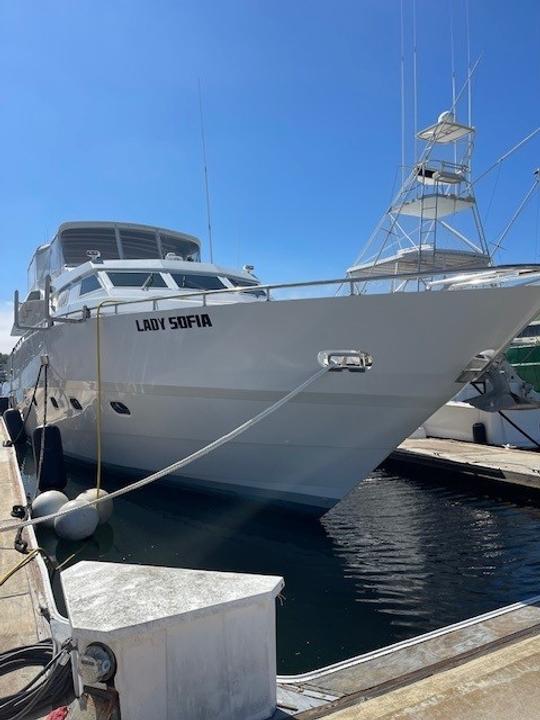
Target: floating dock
505 465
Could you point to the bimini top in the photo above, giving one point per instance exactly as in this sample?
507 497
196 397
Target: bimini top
416 259
77 242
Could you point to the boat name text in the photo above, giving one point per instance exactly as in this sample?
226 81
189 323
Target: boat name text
176 322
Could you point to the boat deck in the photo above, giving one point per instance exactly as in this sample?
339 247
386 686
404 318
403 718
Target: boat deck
510 466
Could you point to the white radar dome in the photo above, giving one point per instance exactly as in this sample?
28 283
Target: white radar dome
446 116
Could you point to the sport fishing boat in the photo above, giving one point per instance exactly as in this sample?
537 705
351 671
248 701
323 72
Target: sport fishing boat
189 350
434 225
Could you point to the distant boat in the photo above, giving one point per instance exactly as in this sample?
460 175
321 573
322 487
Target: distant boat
524 354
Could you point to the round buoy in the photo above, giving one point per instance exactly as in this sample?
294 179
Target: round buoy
104 509
53 471
14 425
78 524
48 503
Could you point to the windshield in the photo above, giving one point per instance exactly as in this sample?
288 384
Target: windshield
197 282
242 282
136 279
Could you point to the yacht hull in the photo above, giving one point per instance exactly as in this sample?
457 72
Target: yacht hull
188 381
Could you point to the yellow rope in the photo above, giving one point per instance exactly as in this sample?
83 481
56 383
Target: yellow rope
26 559
98 392
98 400
70 557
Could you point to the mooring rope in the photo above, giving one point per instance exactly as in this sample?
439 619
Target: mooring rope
214 445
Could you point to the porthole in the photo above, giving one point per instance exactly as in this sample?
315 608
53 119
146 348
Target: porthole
120 408
54 402
75 403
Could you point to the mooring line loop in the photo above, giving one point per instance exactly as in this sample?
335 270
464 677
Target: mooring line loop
214 445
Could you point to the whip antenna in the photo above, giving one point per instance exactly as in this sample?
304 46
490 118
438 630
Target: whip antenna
469 91
402 74
205 163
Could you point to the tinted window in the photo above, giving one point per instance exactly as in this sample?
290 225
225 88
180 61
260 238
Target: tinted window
530 331
136 279
240 282
89 284
138 244
76 242
197 282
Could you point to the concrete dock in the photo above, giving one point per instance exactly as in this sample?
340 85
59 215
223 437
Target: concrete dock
486 668
508 466
25 593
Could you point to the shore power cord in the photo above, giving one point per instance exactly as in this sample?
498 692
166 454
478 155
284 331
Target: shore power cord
50 688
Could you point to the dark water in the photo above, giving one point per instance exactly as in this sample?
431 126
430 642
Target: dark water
400 556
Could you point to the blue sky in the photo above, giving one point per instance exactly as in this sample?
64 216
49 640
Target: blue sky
99 120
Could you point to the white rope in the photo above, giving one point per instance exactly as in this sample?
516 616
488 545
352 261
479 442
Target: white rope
180 463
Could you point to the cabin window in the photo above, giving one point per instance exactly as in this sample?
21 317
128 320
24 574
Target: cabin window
197 282
54 403
89 284
75 403
241 282
136 279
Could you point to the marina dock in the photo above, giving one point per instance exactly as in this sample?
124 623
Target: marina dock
486 667
508 466
24 594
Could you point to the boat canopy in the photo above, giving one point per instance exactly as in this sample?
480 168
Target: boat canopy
77 242
426 258
434 206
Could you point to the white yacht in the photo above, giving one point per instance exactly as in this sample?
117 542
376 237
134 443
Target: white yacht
189 350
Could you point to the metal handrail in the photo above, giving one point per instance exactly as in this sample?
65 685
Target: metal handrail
500 272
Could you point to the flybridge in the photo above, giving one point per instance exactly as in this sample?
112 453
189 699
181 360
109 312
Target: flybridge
77 242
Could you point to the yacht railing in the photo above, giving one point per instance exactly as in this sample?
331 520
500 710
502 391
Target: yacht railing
473 277
451 279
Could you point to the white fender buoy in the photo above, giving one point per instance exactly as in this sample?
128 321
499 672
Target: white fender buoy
47 503
78 524
104 509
